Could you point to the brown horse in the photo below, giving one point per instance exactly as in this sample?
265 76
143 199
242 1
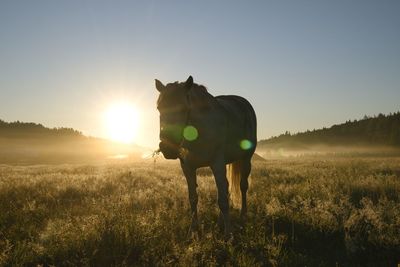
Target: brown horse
202 130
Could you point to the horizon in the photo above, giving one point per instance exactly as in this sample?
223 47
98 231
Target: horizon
303 66
365 117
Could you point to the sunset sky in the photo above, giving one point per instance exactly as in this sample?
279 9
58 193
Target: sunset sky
302 64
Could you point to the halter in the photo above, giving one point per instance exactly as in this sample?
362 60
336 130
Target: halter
182 151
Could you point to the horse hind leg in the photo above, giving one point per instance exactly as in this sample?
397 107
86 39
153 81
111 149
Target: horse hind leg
219 171
244 185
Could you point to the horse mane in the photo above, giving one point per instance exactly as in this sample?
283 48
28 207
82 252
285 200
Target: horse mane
199 92
199 87
199 97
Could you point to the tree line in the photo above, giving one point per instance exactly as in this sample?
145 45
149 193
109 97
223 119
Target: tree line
30 130
377 130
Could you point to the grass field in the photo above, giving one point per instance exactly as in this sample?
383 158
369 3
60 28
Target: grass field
302 212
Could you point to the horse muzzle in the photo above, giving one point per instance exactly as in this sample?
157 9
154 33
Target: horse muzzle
170 151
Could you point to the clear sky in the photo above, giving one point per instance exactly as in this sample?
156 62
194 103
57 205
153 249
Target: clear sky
302 64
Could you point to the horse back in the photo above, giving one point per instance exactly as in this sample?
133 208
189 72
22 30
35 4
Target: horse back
241 124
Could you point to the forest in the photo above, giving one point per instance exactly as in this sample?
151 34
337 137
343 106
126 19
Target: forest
23 130
380 130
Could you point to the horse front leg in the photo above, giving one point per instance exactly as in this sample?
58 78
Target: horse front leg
219 171
190 175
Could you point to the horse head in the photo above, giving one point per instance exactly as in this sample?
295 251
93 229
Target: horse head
173 105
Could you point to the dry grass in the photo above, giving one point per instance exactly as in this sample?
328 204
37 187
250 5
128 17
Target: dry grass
302 211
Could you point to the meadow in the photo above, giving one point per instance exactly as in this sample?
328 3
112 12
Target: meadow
303 211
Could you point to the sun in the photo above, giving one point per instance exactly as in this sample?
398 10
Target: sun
122 122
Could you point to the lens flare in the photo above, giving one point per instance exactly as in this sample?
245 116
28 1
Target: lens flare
246 144
190 133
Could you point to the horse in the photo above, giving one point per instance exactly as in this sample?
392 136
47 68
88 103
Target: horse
202 130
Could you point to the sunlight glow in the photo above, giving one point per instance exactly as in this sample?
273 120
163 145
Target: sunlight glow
122 122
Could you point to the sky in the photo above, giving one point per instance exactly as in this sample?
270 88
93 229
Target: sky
302 64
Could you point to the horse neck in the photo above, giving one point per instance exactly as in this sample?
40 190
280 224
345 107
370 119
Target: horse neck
201 101
203 106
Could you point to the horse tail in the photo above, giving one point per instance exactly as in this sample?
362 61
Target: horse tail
234 176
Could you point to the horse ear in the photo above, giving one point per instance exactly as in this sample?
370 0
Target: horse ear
189 82
159 86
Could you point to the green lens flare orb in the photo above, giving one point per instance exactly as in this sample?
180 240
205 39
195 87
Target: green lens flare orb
246 144
190 133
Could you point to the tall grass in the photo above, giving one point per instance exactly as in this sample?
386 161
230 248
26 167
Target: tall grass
302 211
